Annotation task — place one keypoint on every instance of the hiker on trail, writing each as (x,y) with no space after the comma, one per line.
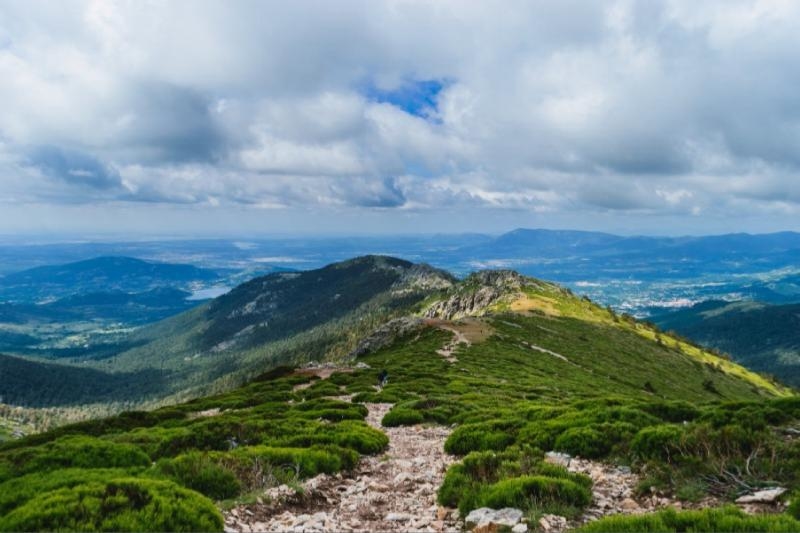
(383,378)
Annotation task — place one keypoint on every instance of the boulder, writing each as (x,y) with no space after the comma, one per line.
(762,496)
(558,458)
(485,519)
(552,523)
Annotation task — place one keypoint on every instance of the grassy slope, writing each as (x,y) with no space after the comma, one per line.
(553,301)
(292,318)
(760,336)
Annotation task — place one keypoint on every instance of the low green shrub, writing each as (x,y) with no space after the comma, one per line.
(455,486)
(659,442)
(794,506)
(125,504)
(321,388)
(529,492)
(585,442)
(19,490)
(257,467)
(483,466)
(478,437)
(72,452)
(401,416)
(197,471)
(672,411)
(723,520)
(353,434)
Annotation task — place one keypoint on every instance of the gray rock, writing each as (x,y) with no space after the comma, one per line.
(508,517)
(301,519)
(520,528)
(397,517)
(385,334)
(480,291)
(552,522)
(558,458)
(762,496)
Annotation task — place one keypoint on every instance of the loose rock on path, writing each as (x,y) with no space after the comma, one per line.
(391,492)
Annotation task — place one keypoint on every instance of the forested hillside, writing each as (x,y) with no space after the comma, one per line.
(763,337)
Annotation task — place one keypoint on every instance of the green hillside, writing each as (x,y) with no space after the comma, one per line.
(33,383)
(763,337)
(271,320)
(534,369)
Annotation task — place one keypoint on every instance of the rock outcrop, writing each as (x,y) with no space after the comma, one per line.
(478,294)
(425,277)
(386,334)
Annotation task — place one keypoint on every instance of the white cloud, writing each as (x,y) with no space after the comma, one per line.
(563,107)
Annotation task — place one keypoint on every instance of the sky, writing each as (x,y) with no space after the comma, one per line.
(256,117)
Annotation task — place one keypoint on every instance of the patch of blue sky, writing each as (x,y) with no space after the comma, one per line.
(416,97)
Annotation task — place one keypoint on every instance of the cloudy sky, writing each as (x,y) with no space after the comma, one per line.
(203,117)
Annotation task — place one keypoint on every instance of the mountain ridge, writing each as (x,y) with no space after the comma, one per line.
(322,315)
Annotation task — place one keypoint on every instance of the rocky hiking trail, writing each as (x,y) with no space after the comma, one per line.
(391,492)
(396,491)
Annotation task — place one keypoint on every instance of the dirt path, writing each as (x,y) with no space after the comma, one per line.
(392,492)
(465,331)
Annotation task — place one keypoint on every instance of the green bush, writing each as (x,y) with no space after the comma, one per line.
(125,504)
(353,434)
(483,466)
(527,492)
(455,485)
(674,411)
(259,466)
(478,437)
(657,442)
(585,442)
(19,490)
(401,416)
(723,520)
(73,452)
(555,471)
(197,471)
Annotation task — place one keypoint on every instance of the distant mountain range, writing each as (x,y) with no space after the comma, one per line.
(575,255)
(636,274)
(101,274)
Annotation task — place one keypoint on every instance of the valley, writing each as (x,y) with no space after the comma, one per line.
(760,336)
